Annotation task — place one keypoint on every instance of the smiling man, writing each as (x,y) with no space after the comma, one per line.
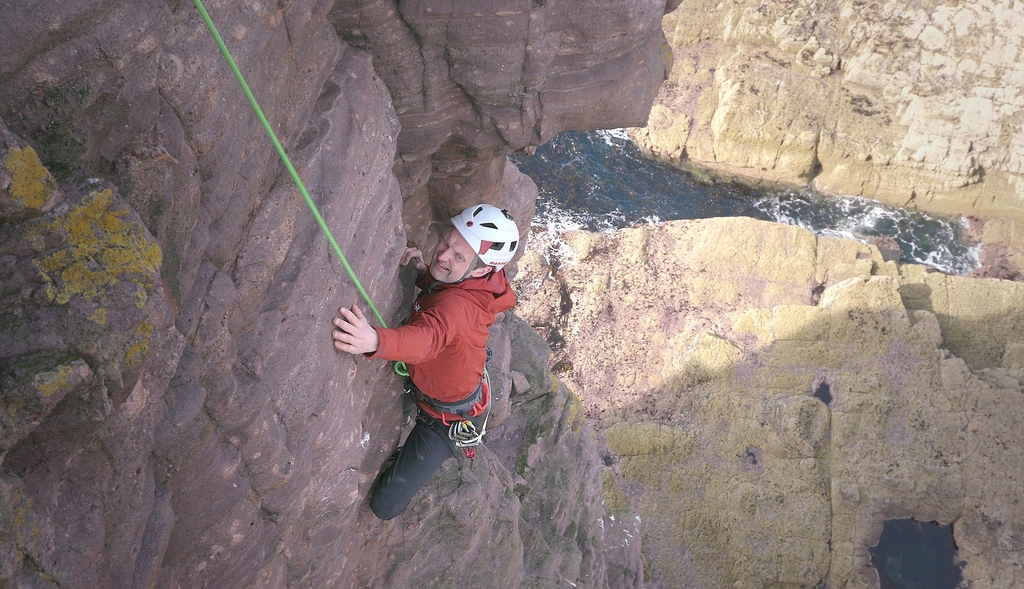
(444,345)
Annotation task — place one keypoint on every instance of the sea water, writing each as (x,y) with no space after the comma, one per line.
(917,555)
(601,181)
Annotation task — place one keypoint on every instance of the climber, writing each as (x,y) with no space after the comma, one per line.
(444,344)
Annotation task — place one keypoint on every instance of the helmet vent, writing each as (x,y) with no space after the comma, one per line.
(477,211)
(491,225)
(513,246)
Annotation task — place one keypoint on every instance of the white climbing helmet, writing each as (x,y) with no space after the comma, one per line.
(491,233)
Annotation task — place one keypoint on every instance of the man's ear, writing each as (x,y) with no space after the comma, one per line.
(481,271)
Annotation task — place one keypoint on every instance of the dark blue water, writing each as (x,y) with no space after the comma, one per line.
(601,181)
(916,555)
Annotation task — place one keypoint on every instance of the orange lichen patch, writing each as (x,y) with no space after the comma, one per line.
(137,351)
(51,381)
(32,185)
(102,249)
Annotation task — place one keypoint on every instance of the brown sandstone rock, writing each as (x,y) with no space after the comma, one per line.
(472,83)
(250,467)
(87,347)
(231,446)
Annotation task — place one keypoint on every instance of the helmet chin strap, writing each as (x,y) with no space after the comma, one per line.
(473,266)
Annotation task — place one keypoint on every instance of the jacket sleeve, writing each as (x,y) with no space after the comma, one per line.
(421,339)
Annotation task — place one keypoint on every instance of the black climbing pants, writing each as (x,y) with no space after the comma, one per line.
(424,451)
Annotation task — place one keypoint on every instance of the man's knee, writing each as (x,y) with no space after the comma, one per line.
(423,453)
(384,506)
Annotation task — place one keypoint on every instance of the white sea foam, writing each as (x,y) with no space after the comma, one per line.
(613,137)
(923,239)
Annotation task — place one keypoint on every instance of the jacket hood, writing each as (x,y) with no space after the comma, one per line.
(493,291)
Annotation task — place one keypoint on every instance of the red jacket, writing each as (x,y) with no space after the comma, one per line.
(444,341)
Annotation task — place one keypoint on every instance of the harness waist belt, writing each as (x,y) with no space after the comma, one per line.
(471,406)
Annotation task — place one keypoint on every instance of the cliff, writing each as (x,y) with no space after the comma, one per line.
(173,411)
(768,398)
(916,104)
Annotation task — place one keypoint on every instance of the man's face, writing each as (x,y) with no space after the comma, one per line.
(453,257)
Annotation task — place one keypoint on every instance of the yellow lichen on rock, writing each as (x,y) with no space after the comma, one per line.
(51,381)
(137,351)
(612,495)
(799,322)
(32,185)
(574,412)
(101,249)
(99,316)
(649,438)
(978,318)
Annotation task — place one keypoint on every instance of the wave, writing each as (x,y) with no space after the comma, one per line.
(922,238)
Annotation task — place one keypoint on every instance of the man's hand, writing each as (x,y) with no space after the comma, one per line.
(412,254)
(353,333)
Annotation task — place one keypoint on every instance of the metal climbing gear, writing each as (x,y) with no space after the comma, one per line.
(460,417)
(465,434)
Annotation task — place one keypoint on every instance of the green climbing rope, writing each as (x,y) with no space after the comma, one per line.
(400,367)
(284,157)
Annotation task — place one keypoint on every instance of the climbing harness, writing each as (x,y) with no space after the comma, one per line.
(472,406)
(400,367)
(460,417)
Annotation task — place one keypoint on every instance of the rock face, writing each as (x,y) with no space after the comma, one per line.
(472,83)
(767,398)
(173,411)
(910,103)
(87,331)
